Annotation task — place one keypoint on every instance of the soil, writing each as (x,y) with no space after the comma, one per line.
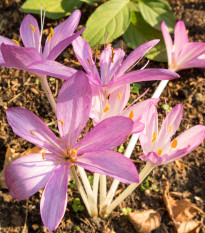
(19,88)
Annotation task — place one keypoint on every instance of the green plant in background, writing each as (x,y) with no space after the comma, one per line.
(90,179)
(135,87)
(126,211)
(73,184)
(166,107)
(77,205)
(138,21)
(148,185)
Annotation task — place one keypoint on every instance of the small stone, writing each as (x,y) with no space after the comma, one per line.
(35,226)
(199,98)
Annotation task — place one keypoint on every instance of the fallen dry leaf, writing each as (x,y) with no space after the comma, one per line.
(180,165)
(145,221)
(11,155)
(181,212)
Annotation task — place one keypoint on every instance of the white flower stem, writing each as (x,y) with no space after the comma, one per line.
(129,150)
(81,190)
(143,174)
(95,186)
(47,90)
(89,191)
(103,189)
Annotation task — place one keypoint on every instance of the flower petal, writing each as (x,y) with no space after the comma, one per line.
(198,62)
(144,75)
(19,57)
(106,135)
(52,68)
(110,163)
(73,108)
(135,55)
(27,175)
(30,34)
(168,41)
(54,199)
(153,158)
(137,127)
(30,127)
(180,37)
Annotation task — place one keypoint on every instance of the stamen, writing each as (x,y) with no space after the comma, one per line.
(131,115)
(32,132)
(32,27)
(174,143)
(16,42)
(89,61)
(107,108)
(121,44)
(51,31)
(119,96)
(72,166)
(154,137)
(61,122)
(112,58)
(159,152)
(43,155)
(49,37)
(170,128)
(187,31)
(74,151)
(60,140)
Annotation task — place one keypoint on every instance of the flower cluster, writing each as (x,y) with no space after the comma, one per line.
(102,96)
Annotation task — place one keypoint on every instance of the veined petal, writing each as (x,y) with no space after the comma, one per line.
(198,62)
(180,38)
(108,134)
(135,55)
(153,158)
(137,127)
(27,175)
(84,54)
(110,61)
(52,68)
(54,199)
(144,75)
(110,163)
(29,31)
(30,127)
(19,57)
(73,108)
(168,41)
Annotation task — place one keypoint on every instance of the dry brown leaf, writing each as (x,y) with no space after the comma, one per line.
(181,212)
(180,165)
(11,155)
(145,221)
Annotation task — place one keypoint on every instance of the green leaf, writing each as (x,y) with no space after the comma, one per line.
(90,2)
(81,208)
(131,100)
(90,179)
(37,81)
(73,185)
(109,21)
(142,188)
(54,8)
(75,208)
(77,228)
(135,87)
(133,6)
(140,32)
(51,79)
(76,201)
(126,211)
(156,11)
(121,148)
(166,107)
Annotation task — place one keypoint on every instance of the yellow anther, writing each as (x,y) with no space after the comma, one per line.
(159,152)
(51,31)
(60,140)
(89,61)
(74,151)
(187,31)
(174,144)
(61,122)
(32,27)
(119,96)
(112,58)
(107,108)
(170,128)
(49,37)
(43,155)
(154,137)
(121,44)
(131,115)
(16,41)
(72,166)
(32,132)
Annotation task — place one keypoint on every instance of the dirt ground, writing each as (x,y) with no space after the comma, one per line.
(18,88)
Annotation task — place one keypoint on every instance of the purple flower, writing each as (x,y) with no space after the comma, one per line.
(27,175)
(158,148)
(14,56)
(182,54)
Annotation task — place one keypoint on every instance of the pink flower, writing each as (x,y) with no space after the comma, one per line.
(27,175)
(182,54)
(158,148)
(14,56)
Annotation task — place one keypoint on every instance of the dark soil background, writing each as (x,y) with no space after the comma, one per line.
(18,88)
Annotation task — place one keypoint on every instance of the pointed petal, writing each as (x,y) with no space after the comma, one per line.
(27,175)
(180,37)
(84,54)
(73,107)
(19,57)
(145,75)
(110,61)
(137,127)
(52,68)
(110,163)
(168,41)
(106,135)
(29,32)
(198,62)
(170,125)
(54,199)
(136,55)
(30,127)
(153,158)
